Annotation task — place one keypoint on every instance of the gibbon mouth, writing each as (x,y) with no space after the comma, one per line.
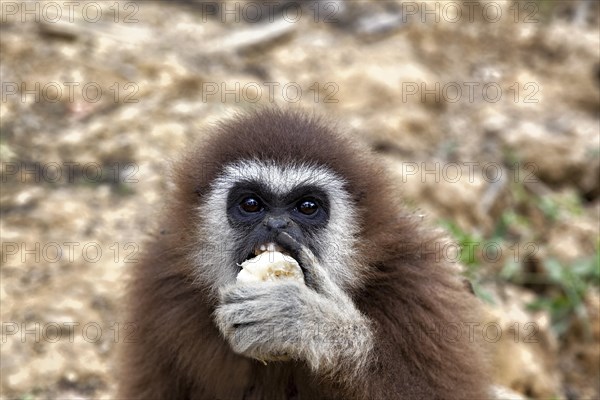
(268,247)
(271,246)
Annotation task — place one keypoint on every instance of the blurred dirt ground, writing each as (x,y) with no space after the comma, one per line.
(499,99)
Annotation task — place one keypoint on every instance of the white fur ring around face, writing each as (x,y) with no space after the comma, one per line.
(270,266)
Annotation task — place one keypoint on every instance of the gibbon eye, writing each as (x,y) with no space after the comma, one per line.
(307,207)
(251,205)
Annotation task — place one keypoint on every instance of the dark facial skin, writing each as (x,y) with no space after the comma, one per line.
(262,216)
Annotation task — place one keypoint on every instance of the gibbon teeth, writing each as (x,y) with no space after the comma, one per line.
(270,265)
(268,247)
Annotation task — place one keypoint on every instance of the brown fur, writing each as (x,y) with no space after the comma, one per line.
(178,353)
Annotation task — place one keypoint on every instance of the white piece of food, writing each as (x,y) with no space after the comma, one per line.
(270,266)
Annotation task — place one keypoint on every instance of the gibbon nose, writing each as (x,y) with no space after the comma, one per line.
(276,223)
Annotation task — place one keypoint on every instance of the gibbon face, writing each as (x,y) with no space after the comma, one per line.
(270,183)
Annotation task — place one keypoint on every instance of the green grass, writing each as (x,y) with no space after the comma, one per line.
(561,288)
(570,284)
